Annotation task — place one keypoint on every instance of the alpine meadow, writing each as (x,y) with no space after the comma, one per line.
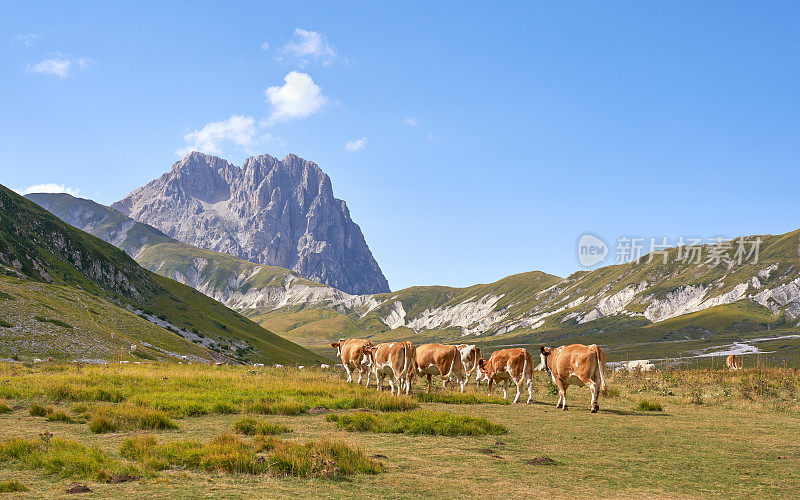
(410,250)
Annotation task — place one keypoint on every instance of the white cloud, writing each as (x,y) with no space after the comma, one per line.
(28,39)
(49,187)
(309,45)
(86,63)
(55,67)
(299,97)
(265,46)
(355,145)
(61,66)
(239,130)
(411,121)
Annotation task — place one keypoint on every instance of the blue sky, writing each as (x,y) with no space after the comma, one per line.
(484,138)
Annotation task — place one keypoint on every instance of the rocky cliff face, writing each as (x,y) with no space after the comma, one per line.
(269,211)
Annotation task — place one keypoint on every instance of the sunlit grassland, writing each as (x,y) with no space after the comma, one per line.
(719,434)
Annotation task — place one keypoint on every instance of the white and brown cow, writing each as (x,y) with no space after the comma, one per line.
(470,354)
(733,362)
(440,359)
(575,364)
(509,364)
(395,359)
(355,355)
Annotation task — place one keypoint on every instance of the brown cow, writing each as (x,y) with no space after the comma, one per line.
(395,359)
(734,362)
(575,364)
(355,355)
(440,359)
(509,364)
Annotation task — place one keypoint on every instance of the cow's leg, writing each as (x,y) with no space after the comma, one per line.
(490,383)
(563,397)
(505,388)
(463,383)
(428,391)
(368,374)
(518,383)
(379,380)
(594,388)
(530,390)
(392,382)
(349,373)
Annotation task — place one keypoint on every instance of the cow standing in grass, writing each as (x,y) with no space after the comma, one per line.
(395,359)
(733,362)
(355,355)
(440,359)
(575,364)
(509,364)
(470,354)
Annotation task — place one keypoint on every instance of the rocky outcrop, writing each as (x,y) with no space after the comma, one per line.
(269,211)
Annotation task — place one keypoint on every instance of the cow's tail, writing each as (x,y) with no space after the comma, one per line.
(456,355)
(404,373)
(601,367)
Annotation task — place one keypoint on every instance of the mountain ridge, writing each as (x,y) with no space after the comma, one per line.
(268,211)
(533,305)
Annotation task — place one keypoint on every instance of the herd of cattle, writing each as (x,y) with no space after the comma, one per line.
(400,362)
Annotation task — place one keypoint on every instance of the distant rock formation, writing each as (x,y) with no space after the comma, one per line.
(269,211)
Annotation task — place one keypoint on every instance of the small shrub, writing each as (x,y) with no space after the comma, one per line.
(4,408)
(612,392)
(6,324)
(38,410)
(12,486)
(647,405)
(250,427)
(552,388)
(59,416)
(417,422)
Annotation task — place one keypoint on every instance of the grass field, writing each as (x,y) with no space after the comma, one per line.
(195,431)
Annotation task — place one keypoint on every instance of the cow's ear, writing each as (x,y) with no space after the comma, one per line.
(335,344)
(544,351)
(481,362)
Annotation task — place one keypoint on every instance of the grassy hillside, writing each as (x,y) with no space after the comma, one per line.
(39,320)
(37,246)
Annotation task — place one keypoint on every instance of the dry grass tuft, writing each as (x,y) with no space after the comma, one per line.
(12,486)
(251,427)
(113,418)
(231,454)
(416,423)
(61,457)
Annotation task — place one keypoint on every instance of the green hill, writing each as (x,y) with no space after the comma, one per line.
(40,250)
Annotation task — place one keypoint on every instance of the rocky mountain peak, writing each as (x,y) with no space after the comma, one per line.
(269,211)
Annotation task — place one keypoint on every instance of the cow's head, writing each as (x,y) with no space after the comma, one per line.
(338,346)
(543,366)
(485,370)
